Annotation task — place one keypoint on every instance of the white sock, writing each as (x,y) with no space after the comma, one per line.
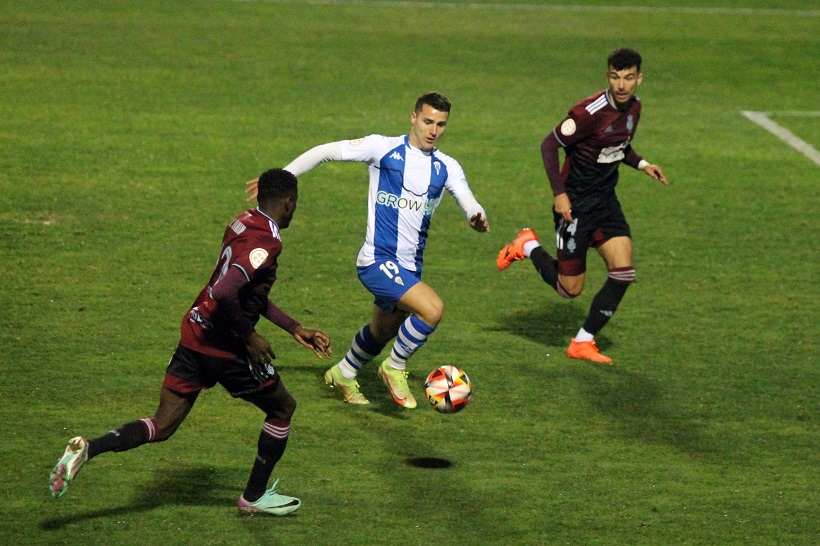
(529,246)
(583,335)
(348,371)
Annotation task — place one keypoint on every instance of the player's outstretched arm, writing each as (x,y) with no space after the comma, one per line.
(316,341)
(252,189)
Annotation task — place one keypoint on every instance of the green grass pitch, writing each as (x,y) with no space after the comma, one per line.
(128,129)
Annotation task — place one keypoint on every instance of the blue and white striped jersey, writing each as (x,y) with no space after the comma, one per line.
(406,186)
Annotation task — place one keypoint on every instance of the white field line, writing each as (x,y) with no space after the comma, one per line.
(554,7)
(762,119)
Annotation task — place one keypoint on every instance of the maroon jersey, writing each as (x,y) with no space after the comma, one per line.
(596,137)
(251,243)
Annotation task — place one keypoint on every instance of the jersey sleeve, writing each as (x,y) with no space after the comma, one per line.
(369,149)
(577,126)
(457,186)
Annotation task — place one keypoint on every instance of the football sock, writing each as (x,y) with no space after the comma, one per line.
(529,246)
(546,265)
(412,335)
(128,436)
(606,301)
(272,443)
(583,335)
(363,349)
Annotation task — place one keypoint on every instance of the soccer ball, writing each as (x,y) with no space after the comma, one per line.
(448,389)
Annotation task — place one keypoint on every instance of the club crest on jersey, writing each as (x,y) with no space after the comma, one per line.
(258,256)
(437,165)
(630,123)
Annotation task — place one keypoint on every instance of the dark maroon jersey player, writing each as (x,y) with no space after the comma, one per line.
(596,137)
(227,309)
(219,344)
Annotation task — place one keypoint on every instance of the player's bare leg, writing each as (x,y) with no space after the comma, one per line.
(419,311)
(617,254)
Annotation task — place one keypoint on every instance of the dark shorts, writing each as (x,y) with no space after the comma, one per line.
(588,229)
(190,371)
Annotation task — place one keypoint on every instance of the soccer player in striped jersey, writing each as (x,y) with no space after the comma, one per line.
(596,137)
(408,176)
(219,344)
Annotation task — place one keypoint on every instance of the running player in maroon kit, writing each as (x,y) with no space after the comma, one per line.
(597,137)
(220,345)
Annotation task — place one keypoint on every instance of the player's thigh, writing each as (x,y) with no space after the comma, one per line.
(276,401)
(616,252)
(422,301)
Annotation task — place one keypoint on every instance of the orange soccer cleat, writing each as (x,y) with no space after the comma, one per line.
(515,250)
(586,350)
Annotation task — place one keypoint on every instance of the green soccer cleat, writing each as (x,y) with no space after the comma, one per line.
(271,503)
(396,381)
(75,456)
(348,387)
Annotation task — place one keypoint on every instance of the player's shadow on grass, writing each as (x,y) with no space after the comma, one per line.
(184,486)
(640,409)
(551,324)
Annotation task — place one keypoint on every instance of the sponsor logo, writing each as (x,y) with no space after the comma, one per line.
(612,153)
(397,156)
(355,141)
(607,313)
(398,280)
(258,256)
(568,127)
(391,200)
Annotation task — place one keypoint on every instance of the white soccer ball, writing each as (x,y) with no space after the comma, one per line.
(448,389)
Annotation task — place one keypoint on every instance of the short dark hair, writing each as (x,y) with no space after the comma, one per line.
(275,184)
(624,58)
(436,100)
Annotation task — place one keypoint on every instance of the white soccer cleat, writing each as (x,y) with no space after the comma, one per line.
(75,456)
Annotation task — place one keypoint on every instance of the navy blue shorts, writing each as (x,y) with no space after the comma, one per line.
(190,371)
(388,282)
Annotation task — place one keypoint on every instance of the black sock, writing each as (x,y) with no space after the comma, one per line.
(269,452)
(128,436)
(546,265)
(604,305)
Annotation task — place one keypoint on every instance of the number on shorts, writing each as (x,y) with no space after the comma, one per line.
(390,269)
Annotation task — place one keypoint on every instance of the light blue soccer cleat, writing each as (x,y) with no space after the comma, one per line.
(270,503)
(75,456)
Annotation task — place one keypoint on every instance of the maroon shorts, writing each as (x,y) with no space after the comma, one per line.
(588,229)
(190,371)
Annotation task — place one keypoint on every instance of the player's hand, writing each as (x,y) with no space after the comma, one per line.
(657,173)
(479,223)
(259,350)
(316,341)
(563,206)
(252,189)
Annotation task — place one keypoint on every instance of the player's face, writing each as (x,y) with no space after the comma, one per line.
(623,84)
(426,127)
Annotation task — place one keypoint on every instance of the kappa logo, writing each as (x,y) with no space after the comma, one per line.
(397,156)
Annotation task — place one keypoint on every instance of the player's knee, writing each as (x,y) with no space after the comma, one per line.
(567,293)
